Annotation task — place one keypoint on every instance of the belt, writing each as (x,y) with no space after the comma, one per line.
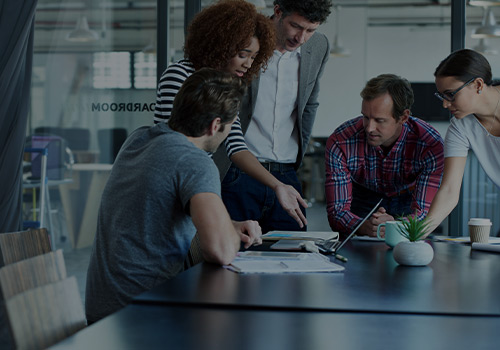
(273,166)
(410,189)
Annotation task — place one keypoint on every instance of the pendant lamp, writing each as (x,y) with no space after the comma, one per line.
(82,32)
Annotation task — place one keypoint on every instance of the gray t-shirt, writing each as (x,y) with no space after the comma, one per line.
(468,133)
(144,229)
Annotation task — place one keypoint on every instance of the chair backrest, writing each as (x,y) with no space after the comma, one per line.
(195,256)
(43,316)
(110,141)
(78,138)
(31,273)
(17,246)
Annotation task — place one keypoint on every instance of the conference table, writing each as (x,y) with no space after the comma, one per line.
(457,282)
(81,201)
(374,303)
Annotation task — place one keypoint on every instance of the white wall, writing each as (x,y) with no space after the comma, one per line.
(410,51)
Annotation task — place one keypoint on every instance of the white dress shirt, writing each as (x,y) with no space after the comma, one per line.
(272,134)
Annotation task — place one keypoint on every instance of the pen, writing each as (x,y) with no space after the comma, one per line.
(234,268)
(283,264)
(340,257)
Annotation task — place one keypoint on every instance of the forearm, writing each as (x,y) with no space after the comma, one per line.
(343,221)
(442,205)
(338,189)
(219,240)
(425,191)
(247,162)
(449,193)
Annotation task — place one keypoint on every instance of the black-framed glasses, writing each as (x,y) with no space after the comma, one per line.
(450,96)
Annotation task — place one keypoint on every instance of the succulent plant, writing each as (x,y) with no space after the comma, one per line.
(413,228)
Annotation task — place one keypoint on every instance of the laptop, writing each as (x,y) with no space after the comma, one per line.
(331,247)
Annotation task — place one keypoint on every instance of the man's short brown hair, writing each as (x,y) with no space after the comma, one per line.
(397,87)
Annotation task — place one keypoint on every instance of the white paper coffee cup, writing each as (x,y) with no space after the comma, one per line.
(479,230)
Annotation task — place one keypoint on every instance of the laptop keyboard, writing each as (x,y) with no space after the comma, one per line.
(328,246)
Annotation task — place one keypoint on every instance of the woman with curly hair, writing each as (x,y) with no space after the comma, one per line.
(231,36)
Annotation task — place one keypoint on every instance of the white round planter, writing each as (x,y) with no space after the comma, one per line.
(417,253)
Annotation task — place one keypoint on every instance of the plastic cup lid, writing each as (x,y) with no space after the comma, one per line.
(479,221)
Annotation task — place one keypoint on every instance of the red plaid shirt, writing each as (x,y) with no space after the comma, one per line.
(415,161)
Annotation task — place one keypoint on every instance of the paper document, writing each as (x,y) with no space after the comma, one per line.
(281,262)
(293,244)
(301,235)
(488,247)
(462,239)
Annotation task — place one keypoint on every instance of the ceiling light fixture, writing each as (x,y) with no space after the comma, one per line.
(150,47)
(488,28)
(337,49)
(484,48)
(82,32)
(484,3)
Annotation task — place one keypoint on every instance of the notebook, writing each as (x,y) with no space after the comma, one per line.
(300,235)
(331,247)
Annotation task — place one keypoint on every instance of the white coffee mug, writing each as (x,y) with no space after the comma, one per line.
(392,233)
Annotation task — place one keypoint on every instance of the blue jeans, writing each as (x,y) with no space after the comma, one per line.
(247,199)
(363,200)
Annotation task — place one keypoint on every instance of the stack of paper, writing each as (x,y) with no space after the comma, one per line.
(282,262)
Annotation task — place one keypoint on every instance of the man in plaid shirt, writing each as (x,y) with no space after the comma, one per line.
(385,153)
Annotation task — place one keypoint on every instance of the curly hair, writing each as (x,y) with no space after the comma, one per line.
(220,31)
(315,11)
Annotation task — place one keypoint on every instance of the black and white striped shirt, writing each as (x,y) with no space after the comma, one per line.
(170,83)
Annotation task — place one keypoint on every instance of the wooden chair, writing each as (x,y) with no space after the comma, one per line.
(43,316)
(16,246)
(31,273)
(194,256)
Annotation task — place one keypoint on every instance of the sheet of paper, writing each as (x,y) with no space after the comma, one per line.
(289,244)
(488,247)
(294,244)
(462,239)
(282,262)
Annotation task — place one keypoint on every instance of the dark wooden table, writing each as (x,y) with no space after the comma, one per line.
(374,304)
(457,282)
(173,327)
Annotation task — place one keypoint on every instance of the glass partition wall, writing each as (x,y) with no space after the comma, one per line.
(95,73)
(94,82)
(480,197)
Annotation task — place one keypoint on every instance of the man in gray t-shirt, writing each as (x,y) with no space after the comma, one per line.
(162,189)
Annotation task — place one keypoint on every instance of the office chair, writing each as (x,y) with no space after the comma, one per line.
(16,246)
(45,315)
(78,139)
(31,273)
(110,141)
(195,255)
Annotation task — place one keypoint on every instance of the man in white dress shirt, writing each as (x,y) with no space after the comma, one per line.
(278,112)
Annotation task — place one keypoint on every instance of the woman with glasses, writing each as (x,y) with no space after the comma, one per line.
(465,86)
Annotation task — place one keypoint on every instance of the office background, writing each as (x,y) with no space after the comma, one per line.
(106,78)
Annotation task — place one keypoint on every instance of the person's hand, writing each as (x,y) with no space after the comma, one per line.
(369,227)
(291,200)
(249,231)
